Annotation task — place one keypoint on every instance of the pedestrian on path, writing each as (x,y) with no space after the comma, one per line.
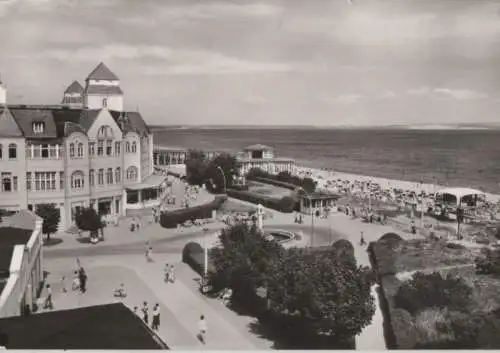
(155,325)
(202,329)
(82,276)
(149,254)
(48,300)
(167,273)
(76,281)
(171,274)
(145,312)
(63,284)
(362,240)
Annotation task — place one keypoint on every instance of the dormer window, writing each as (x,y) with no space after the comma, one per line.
(38,127)
(105,102)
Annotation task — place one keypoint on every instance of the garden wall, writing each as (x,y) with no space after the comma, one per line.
(170,219)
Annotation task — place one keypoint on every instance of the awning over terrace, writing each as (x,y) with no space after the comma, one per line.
(460,192)
(150,182)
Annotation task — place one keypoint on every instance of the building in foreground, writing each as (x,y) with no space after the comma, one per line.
(109,326)
(87,151)
(264,158)
(21,271)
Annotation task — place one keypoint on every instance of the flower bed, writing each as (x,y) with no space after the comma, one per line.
(170,219)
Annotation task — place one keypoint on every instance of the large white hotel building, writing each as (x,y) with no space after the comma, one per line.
(87,151)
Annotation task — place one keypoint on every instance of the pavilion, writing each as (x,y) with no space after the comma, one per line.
(464,197)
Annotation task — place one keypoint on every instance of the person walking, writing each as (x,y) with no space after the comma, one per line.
(48,300)
(63,284)
(76,281)
(362,240)
(202,329)
(171,274)
(82,276)
(167,273)
(149,254)
(145,312)
(155,324)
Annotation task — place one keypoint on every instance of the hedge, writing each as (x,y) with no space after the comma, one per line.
(286,204)
(194,255)
(307,184)
(170,219)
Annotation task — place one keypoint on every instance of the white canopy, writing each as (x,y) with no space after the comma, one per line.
(460,192)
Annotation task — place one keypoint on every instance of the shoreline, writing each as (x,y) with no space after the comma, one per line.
(385,183)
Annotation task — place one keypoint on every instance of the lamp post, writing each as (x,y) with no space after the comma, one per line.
(223,177)
(312,220)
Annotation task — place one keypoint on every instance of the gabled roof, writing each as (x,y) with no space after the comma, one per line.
(62,117)
(8,125)
(75,87)
(95,89)
(26,117)
(72,100)
(101,72)
(132,121)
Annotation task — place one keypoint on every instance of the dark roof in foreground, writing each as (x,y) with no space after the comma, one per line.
(110,326)
(9,237)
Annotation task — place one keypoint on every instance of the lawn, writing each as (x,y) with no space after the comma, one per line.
(268,190)
(420,254)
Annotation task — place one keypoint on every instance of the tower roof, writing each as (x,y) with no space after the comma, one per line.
(75,87)
(101,72)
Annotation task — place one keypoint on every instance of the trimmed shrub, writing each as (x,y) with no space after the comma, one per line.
(191,248)
(382,257)
(344,248)
(433,291)
(278,183)
(308,184)
(390,239)
(489,262)
(266,201)
(194,255)
(170,219)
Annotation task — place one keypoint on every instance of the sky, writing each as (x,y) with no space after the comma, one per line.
(277,62)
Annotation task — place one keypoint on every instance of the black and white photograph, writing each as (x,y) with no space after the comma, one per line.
(249,174)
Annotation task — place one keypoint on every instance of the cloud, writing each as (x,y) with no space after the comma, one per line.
(387,95)
(255,100)
(343,99)
(447,93)
(214,9)
(171,61)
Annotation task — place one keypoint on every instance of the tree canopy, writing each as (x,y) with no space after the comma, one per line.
(203,171)
(87,219)
(51,218)
(196,165)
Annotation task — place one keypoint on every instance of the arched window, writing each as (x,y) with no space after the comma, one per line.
(132,173)
(109,176)
(12,151)
(105,132)
(72,150)
(118,175)
(77,180)
(127,147)
(80,150)
(134,147)
(6,182)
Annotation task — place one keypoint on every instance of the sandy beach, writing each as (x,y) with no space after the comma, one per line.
(322,176)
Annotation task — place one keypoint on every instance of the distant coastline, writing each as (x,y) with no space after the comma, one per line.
(485,126)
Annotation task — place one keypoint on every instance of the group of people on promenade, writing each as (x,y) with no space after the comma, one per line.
(144,314)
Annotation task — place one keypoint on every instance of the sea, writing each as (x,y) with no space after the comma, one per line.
(461,158)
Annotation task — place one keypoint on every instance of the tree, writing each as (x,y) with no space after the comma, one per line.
(196,166)
(216,181)
(243,260)
(87,219)
(51,218)
(321,292)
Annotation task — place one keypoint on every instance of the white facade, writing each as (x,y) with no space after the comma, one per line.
(3,94)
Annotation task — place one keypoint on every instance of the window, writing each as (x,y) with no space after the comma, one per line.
(12,151)
(92,148)
(77,180)
(38,127)
(28,181)
(134,147)
(117,148)
(100,177)
(7,182)
(118,175)
(109,176)
(80,150)
(45,181)
(105,133)
(92,177)
(132,173)
(53,151)
(45,151)
(109,148)
(127,147)
(100,148)
(105,102)
(61,180)
(72,150)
